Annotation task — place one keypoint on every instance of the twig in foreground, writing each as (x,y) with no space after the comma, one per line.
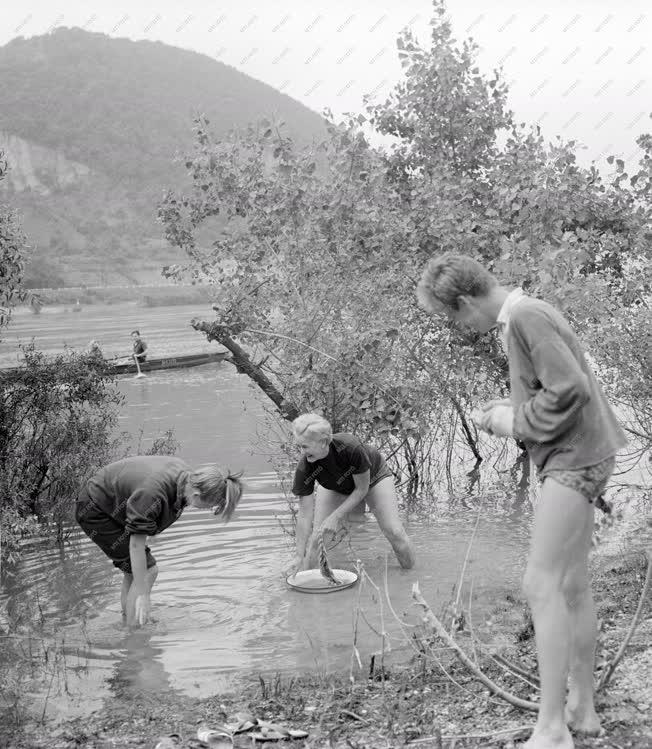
(604,679)
(432,620)
(502,732)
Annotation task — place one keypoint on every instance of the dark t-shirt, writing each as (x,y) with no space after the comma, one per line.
(346,456)
(143,493)
(139,348)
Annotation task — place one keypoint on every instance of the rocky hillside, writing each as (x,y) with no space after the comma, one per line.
(91,126)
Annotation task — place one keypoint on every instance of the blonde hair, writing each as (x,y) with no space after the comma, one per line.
(312,427)
(224,490)
(450,276)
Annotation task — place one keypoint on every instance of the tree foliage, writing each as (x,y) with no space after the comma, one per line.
(57,425)
(314,253)
(12,243)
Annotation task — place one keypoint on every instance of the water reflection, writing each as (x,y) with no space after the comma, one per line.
(139,667)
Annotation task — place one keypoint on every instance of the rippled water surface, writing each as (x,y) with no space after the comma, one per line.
(221,605)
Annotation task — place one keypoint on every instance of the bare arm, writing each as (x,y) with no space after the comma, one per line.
(138,559)
(305,518)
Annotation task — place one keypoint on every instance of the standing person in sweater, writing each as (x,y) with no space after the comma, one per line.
(559,411)
(345,472)
(133,498)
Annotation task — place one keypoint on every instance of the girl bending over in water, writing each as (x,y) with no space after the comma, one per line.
(133,498)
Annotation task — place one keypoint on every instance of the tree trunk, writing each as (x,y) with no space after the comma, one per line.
(242,362)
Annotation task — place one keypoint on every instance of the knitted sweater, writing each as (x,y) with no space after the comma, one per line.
(560,411)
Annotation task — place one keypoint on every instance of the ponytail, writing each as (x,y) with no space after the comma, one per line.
(219,489)
(232,494)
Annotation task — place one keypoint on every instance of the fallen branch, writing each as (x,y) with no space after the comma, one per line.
(461,737)
(244,365)
(355,716)
(611,667)
(430,619)
(530,679)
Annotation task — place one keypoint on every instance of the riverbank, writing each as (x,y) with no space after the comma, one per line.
(429,697)
(159,295)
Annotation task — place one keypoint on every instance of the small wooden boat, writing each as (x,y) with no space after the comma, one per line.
(128,366)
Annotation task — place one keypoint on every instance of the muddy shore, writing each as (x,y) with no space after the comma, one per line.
(432,701)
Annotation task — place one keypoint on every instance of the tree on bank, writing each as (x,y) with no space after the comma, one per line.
(12,257)
(314,254)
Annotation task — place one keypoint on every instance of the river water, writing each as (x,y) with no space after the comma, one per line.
(221,606)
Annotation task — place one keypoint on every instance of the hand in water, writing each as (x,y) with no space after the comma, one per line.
(142,609)
(295,566)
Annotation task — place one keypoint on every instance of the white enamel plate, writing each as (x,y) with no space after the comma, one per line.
(312,581)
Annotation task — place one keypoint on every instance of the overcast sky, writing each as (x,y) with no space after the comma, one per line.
(579,68)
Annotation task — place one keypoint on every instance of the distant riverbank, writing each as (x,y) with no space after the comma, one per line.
(162,295)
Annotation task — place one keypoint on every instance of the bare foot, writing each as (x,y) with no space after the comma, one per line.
(540,739)
(583,720)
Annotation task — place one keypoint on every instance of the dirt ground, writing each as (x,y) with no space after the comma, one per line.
(425,704)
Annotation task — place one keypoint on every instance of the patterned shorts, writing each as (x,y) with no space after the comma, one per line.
(590,481)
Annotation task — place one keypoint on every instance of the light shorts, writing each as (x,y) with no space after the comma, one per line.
(590,481)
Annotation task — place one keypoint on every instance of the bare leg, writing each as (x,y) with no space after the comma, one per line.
(559,528)
(384,505)
(127,580)
(150,578)
(580,709)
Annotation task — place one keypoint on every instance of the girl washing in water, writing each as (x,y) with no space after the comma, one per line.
(133,498)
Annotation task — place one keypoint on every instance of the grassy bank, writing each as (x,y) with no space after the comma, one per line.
(430,702)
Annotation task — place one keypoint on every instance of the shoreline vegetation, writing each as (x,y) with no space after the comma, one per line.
(431,702)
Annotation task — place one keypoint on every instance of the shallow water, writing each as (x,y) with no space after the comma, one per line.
(221,606)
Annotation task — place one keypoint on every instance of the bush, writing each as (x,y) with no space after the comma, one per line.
(57,423)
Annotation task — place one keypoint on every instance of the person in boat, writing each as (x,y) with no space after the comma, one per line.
(141,496)
(572,435)
(140,347)
(336,474)
(94,349)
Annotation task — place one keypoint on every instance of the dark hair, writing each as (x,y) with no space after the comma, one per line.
(137,332)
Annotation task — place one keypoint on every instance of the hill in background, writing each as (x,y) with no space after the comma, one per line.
(91,125)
